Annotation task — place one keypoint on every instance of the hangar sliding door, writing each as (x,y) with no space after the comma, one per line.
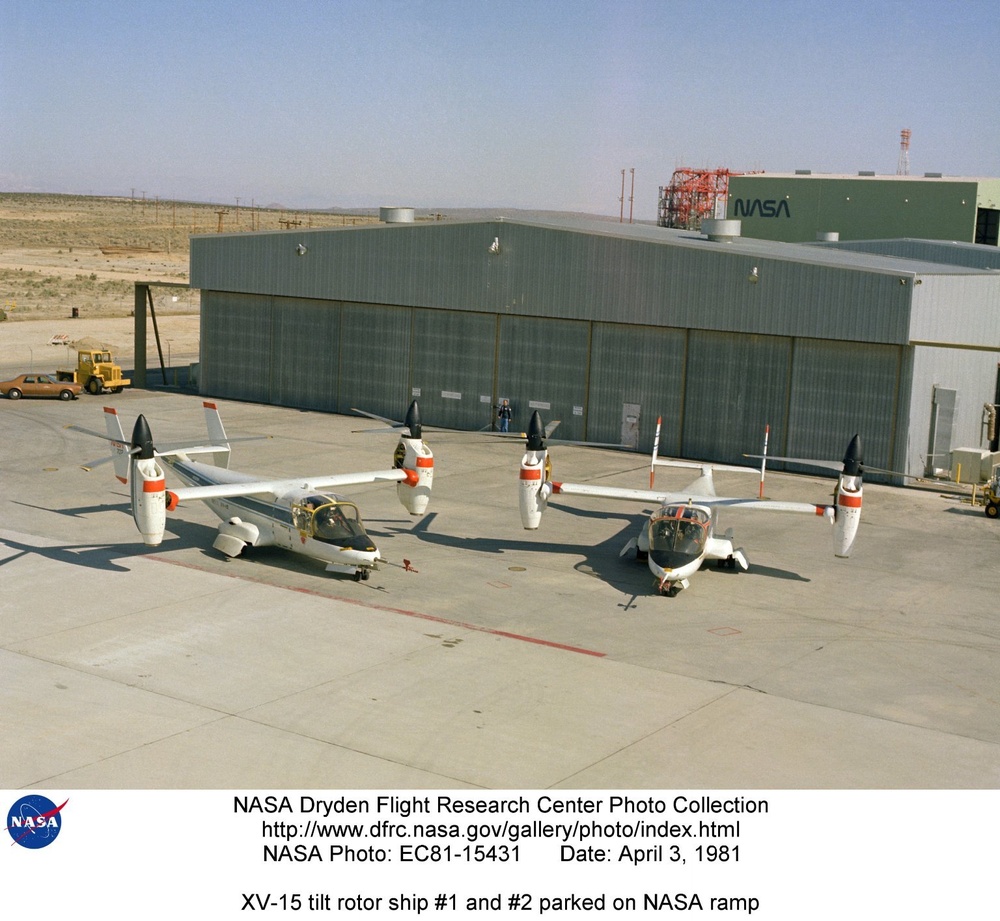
(236,346)
(452,375)
(840,389)
(736,385)
(305,366)
(641,365)
(543,365)
(374,359)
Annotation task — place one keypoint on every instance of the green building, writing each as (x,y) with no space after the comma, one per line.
(802,207)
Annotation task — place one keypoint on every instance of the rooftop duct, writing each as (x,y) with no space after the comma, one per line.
(395,215)
(720,230)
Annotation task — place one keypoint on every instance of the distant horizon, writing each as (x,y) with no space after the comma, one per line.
(331,209)
(580,109)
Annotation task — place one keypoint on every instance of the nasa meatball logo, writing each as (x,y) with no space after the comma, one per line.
(34,821)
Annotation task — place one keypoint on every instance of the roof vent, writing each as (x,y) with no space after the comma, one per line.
(395,215)
(721,231)
(827,236)
(803,172)
(866,172)
(933,175)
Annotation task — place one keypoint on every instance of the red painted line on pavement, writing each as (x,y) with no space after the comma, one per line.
(388,609)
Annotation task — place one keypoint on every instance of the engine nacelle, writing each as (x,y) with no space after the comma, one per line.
(417,460)
(534,488)
(848,514)
(149,500)
(848,500)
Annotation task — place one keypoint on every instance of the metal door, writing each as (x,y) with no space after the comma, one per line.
(630,426)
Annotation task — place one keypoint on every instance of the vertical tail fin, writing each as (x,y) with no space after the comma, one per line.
(119,446)
(656,451)
(763,462)
(216,434)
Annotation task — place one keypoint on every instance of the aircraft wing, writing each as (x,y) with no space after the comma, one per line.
(277,487)
(663,498)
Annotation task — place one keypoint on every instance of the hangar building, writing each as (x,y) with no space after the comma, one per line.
(606,326)
(798,207)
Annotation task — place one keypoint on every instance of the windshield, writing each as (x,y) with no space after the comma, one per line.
(331,520)
(679,529)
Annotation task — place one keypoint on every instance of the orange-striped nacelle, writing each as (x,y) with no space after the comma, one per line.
(148,486)
(848,500)
(534,487)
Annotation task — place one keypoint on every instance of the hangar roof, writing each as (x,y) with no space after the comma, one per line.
(575,268)
(915,256)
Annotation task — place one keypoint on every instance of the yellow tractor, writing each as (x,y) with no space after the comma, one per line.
(96,372)
(991,494)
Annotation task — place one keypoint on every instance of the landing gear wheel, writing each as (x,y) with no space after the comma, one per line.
(365,575)
(730,562)
(357,576)
(992,510)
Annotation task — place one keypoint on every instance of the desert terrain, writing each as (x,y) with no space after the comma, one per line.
(69,263)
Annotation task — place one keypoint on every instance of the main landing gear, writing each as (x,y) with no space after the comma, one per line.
(362,575)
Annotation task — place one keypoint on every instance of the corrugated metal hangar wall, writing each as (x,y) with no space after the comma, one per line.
(588,324)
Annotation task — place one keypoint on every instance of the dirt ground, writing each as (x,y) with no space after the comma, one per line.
(69,264)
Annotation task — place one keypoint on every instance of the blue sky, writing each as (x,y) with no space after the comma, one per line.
(445,104)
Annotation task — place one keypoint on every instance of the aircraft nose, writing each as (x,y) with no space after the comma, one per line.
(669,560)
(360,542)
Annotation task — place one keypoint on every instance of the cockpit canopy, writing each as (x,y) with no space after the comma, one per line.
(332,520)
(679,529)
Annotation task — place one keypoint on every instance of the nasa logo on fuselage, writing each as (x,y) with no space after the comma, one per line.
(34,821)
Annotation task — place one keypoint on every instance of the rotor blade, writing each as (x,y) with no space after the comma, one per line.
(590,444)
(836,466)
(103,459)
(411,423)
(362,412)
(102,435)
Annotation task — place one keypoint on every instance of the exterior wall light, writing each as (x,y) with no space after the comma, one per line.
(301,249)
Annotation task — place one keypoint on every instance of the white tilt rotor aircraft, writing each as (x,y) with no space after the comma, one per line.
(680,535)
(297,513)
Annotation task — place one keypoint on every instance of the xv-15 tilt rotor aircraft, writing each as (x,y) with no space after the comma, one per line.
(680,534)
(296,513)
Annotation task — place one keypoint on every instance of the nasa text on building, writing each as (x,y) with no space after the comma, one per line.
(606,326)
(799,207)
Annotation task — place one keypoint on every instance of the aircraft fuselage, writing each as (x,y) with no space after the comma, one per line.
(680,537)
(323,526)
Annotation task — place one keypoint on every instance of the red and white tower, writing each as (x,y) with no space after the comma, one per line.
(904,153)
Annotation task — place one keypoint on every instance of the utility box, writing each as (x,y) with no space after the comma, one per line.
(971,465)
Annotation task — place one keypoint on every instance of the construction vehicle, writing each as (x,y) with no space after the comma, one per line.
(95,371)
(991,495)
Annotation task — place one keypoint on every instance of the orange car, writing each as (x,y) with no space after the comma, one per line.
(39,385)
